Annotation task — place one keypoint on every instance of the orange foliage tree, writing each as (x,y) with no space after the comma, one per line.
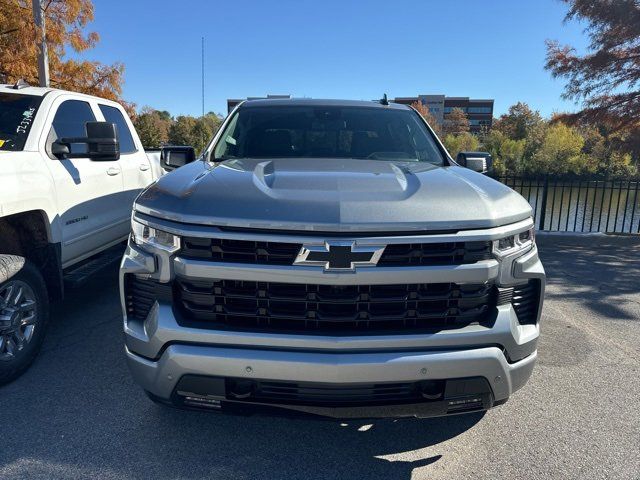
(65,29)
(424,111)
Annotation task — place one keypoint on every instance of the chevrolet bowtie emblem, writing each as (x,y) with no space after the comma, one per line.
(339,255)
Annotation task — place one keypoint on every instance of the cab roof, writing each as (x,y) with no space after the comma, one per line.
(27,90)
(54,92)
(312,102)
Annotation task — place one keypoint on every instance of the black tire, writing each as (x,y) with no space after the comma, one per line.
(16,270)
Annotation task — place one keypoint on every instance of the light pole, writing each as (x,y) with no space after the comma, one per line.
(43,57)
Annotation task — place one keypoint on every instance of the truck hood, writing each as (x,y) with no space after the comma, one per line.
(332,195)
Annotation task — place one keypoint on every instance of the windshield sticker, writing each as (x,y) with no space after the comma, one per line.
(2,142)
(27,118)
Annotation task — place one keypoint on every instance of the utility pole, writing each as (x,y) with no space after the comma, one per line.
(43,56)
(202,75)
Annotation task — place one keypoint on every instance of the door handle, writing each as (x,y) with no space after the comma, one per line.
(144,167)
(113,171)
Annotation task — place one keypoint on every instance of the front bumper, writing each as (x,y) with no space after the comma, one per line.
(161,377)
(160,352)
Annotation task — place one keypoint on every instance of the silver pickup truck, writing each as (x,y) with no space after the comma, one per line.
(330,257)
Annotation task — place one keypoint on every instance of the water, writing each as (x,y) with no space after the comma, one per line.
(583,206)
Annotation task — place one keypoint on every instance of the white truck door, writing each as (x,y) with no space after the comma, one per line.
(89,193)
(136,168)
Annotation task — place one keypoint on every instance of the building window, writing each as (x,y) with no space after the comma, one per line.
(450,109)
(480,109)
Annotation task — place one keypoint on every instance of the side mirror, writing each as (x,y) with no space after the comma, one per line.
(101,140)
(481,162)
(173,156)
(60,150)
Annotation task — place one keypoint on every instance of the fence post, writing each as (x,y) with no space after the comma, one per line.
(543,208)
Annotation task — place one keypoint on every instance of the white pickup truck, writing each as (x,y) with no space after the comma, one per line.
(70,167)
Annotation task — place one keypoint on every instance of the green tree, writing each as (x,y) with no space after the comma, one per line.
(533,143)
(197,132)
(181,130)
(152,127)
(518,122)
(561,152)
(464,142)
(204,130)
(508,154)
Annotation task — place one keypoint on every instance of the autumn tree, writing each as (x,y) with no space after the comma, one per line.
(605,80)
(455,122)
(66,22)
(424,111)
(518,122)
(604,149)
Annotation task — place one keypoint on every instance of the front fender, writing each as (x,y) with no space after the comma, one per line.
(28,186)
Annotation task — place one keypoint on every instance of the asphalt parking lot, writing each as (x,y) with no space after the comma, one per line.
(77,413)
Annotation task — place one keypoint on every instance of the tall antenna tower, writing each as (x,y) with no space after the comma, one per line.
(203,76)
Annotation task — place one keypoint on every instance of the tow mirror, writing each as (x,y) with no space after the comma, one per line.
(101,140)
(174,156)
(481,162)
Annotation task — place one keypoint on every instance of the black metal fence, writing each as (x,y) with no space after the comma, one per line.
(580,204)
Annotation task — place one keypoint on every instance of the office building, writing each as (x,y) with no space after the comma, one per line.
(479,111)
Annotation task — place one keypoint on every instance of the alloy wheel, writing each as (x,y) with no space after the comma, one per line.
(18,317)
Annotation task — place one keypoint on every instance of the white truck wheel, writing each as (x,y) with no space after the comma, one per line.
(24,315)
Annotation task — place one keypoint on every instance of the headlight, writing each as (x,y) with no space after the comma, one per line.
(144,235)
(518,243)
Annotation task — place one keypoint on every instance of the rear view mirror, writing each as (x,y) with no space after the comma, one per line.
(102,143)
(481,162)
(173,156)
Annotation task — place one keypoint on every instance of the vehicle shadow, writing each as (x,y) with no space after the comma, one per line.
(599,272)
(277,447)
(78,414)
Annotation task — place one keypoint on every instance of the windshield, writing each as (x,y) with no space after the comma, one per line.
(327,132)
(17,112)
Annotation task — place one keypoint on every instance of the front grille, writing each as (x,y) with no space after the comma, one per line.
(455,253)
(279,253)
(329,309)
(239,251)
(140,295)
(526,300)
(335,395)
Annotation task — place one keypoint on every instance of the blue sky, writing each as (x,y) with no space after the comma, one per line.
(333,49)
